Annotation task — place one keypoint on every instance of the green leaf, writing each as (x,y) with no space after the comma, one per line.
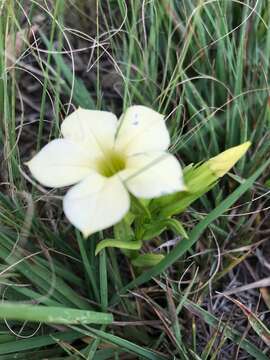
(147,260)
(155,229)
(177,227)
(49,314)
(128,245)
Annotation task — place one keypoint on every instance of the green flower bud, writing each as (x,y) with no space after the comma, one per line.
(223,162)
(199,179)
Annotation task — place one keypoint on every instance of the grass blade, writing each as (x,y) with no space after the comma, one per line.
(50,314)
(122,343)
(15,347)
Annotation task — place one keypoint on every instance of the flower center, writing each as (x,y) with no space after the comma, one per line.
(111,163)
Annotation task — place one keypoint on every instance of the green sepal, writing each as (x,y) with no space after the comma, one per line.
(147,260)
(127,245)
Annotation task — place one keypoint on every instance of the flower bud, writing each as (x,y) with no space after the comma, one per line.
(223,162)
(199,179)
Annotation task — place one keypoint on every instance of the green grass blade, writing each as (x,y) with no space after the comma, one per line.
(87,265)
(122,343)
(50,314)
(14,347)
(103,279)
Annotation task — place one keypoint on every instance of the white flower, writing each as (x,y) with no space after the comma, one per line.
(108,159)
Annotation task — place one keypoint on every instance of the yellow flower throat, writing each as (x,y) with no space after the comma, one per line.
(111,163)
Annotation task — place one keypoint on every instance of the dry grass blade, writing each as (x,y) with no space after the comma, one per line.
(256,284)
(254,321)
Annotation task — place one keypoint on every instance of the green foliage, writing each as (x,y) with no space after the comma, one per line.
(206,66)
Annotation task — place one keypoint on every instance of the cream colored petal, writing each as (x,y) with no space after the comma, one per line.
(91,128)
(96,203)
(142,129)
(60,163)
(152,175)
